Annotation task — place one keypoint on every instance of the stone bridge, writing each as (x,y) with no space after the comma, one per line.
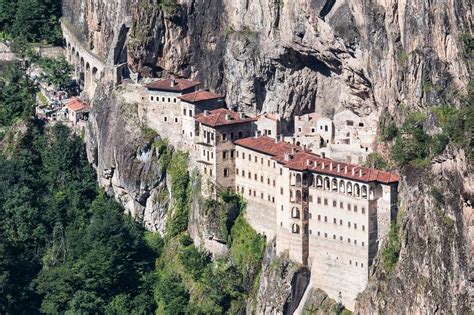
(89,68)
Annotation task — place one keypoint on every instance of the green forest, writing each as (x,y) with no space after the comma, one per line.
(65,247)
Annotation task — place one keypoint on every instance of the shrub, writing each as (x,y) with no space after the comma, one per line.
(375,160)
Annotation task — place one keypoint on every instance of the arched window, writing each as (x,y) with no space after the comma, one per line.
(295,228)
(342,186)
(349,188)
(364,192)
(298,196)
(371,193)
(305,179)
(326,183)
(334,184)
(319,181)
(310,180)
(298,180)
(305,197)
(356,190)
(295,213)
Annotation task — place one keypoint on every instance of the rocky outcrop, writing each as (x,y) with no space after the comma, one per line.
(126,163)
(282,285)
(433,271)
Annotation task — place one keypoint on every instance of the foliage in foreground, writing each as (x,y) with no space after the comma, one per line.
(63,246)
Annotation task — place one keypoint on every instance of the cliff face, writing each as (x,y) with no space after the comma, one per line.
(292,57)
(433,274)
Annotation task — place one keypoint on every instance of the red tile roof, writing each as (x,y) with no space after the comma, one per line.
(76,105)
(222,117)
(200,96)
(172,85)
(267,145)
(295,158)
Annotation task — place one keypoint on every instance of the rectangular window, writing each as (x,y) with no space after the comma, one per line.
(355,209)
(250,175)
(319,200)
(255,176)
(325,202)
(334,203)
(224,137)
(349,224)
(355,242)
(254,193)
(224,155)
(240,134)
(363,227)
(190,113)
(250,192)
(281,171)
(250,157)
(226,172)
(237,172)
(340,238)
(273,199)
(261,195)
(363,244)
(325,219)
(243,155)
(231,136)
(334,220)
(261,178)
(340,222)
(326,235)
(341,205)
(349,206)
(261,160)
(333,237)
(268,181)
(349,240)
(319,233)
(184,111)
(281,190)
(274,183)
(355,226)
(363,210)
(255,159)
(319,217)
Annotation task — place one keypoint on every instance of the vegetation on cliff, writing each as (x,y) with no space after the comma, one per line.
(30,20)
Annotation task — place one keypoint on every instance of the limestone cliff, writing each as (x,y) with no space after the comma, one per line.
(291,57)
(434,272)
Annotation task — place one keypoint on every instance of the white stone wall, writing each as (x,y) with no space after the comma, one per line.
(165,117)
(259,190)
(268,127)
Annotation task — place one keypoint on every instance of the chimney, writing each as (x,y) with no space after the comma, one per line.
(330,166)
(287,156)
(294,140)
(308,162)
(227,117)
(242,115)
(256,133)
(345,169)
(206,113)
(304,147)
(353,171)
(360,173)
(173,83)
(338,168)
(324,165)
(293,150)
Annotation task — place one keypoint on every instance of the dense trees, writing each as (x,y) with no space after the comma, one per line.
(31,20)
(16,94)
(64,247)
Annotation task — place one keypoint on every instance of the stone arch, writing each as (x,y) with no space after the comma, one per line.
(95,72)
(334,184)
(349,188)
(319,181)
(298,196)
(295,213)
(326,183)
(295,228)
(356,190)
(298,180)
(342,186)
(364,192)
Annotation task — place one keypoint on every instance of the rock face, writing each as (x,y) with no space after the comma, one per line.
(126,164)
(293,57)
(433,272)
(282,285)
